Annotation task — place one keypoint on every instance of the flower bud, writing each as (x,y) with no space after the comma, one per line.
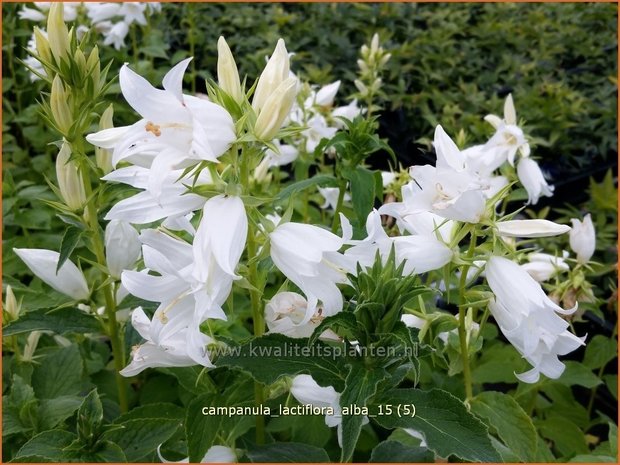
(103,157)
(361,87)
(32,341)
(11,306)
(60,106)
(227,73)
(583,238)
(275,72)
(70,180)
(276,109)
(43,45)
(57,32)
(80,61)
(531,228)
(122,247)
(43,263)
(93,67)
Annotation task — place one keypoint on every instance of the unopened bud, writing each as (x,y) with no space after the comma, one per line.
(80,62)
(374,44)
(60,106)
(11,307)
(57,32)
(227,73)
(93,67)
(70,180)
(361,87)
(276,109)
(275,72)
(103,157)
(385,58)
(43,45)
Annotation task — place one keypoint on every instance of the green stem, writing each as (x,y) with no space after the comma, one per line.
(110,301)
(255,296)
(341,192)
(462,329)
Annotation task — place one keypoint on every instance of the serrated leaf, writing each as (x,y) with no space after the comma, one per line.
(268,358)
(448,427)
(287,452)
(396,452)
(360,385)
(513,426)
(340,321)
(153,411)
(89,418)
(60,321)
(59,373)
(49,445)
(140,437)
(68,243)
(54,411)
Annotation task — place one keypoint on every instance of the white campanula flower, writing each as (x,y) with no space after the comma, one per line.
(531,176)
(309,256)
(173,350)
(173,203)
(447,189)
(531,228)
(69,280)
(508,138)
(324,97)
(176,131)
(122,247)
(583,238)
(101,11)
(285,314)
(115,34)
(133,12)
(529,319)
(317,131)
(543,266)
(420,252)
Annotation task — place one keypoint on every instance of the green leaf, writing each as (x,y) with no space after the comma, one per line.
(319,180)
(67,245)
(268,358)
(287,452)
(397,452)
(567,438)
(59,373)
(54,411)
(104,451)
(577,373)
(140,437)
(61,321)
(153,411)
(202,430)
(342,323)
(19,408)
(360,385)
(600,350)
(49,445)
(513,426)
(362,183)
(89,418)
(498,364)
(587,458)
(448,427)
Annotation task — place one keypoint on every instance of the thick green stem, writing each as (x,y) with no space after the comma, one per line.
(341,192)
(462,328)
(255,296)
(110,301)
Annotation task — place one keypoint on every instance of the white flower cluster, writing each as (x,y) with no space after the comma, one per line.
(171,149)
